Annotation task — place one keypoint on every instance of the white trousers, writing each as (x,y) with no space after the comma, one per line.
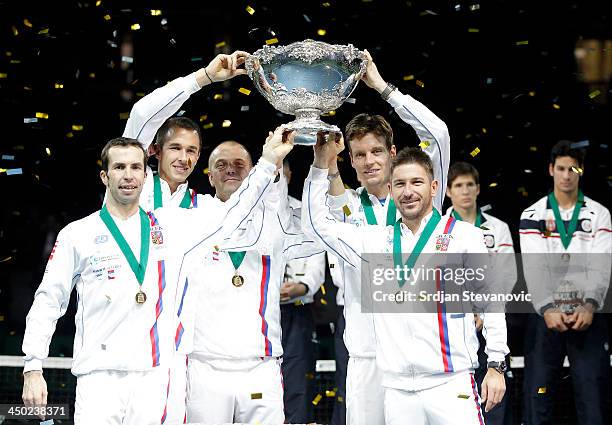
(454,403)
(364,392)
(177,391)
(249,394)
(126,398)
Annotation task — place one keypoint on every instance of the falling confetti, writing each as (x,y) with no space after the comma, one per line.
(272,41)
(556,106)
(124,115)
(409,77)
(494,184)
(330,393)
(107,17)
(42,115)
(323,301)
(156,12)
(203,118)
(473,30)
(27,23)
(244,108)
(420,83)
(8,157)
(475,152)
(317,399)
(321,32)
(220,44)
(250,10)
(135,27)
(3,75)
(218,96)
(580,144)
(594,94)
(205,171)
(346,210)
(207,126)
(59,86)
(424,144)
(48,151)
(522,43)
(351,100)
(578,170)
(244,91)
(226,123)
(77,127)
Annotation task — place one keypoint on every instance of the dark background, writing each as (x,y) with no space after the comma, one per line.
(503,75)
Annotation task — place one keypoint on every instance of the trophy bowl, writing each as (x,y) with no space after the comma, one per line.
(307,79)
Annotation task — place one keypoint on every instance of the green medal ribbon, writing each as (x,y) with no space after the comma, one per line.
(157,195)
(139,268)
(237,258)
(478,221)
(418,248)
(566,234)
(369,210)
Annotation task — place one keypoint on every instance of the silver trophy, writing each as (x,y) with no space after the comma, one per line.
(307,79)
(567,297)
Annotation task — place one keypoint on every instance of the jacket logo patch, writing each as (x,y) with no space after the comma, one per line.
(101,239)
(157,237)
(489,241)
(442,242)
(586,225)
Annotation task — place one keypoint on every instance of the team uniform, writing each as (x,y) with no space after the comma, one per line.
(547,263)
(297,326)
(425,359)
(364,393)
(123,348)
(498,240)
(234,372)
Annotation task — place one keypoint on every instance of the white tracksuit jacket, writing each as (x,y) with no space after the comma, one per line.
(540,242)
(498,240)
(112,331)
(414,351)
(433,133)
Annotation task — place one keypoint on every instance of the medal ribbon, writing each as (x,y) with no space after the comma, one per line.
(237,258)
(139,268)
(566,234)
(157,195)
(418,248)
(369,210)
(478,221)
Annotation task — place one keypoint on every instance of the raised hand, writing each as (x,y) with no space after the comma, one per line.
(372,77)
(223,67)
(278,144)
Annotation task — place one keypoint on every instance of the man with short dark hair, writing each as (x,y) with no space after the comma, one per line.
(371,150)
(125,265)
(463,188)
(556,233)
(423,382)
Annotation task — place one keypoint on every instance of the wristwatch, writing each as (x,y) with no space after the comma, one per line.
(332,176)
(500,367)
(387,91)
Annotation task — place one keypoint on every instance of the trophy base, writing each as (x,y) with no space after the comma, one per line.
(307,127)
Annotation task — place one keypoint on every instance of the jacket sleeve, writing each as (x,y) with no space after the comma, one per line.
(504,259)
(150,112)
(314,275)
(341,239)
(599,259)
(431,131)
(50,301)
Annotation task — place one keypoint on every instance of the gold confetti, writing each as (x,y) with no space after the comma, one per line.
(408,77)
(317,399)
(323,289)
(135,27)
(578,170)
(594,94)
(42,115)
(98,3)
(298,302)
(310,375)
(15,32)
(43,31)
(424,144)
(329,114)
(207,126)
(218,96)
(6,259)
(463,396)
(532,93)
(556,106)
(59,86)
(493,184)
(2,170)
(326,4)
(256,396)
(27,23)
(272,41)
(203,118)
(220,44)
(321,32)
(522,43)
(330,393)
(484,130)
(250,10)
(340,399)
(226,123)
(346,210)
(124,115)
(3,75)
(323,301)
(155,12)
(107,17)
(420,83)
(475,152)
(77,127)
(92,75)
(533,148)
(8,53)
(473,30)
(542,390)
(244,91)
(70,135)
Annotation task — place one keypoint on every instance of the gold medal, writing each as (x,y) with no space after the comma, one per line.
(237,280)
(141,297)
